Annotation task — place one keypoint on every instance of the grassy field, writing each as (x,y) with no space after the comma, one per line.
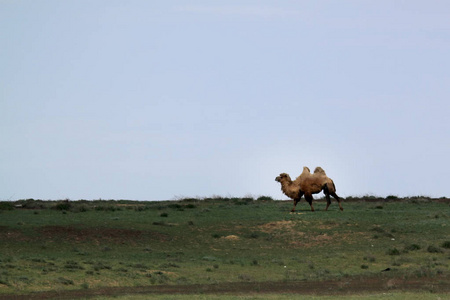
(384,296)
(49,246)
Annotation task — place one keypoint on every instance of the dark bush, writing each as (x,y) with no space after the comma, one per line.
(253,235)
(6,206)
(370,258)
(434,249)
(160,223)
(446,245)
(175,206)
(189,200)
(64,281)
(139,208)
(393,251)
(412,247)
(63,205)
(106,208)
(83,208)
(265,198)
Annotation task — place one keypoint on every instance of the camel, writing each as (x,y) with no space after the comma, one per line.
(308,184)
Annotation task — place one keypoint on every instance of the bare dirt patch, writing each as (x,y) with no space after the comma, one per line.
(347,286)
(9,233)
(299,239)
(230,237)
(277,226)
(97,234)
(312,241)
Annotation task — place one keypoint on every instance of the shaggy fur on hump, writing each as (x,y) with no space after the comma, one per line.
(314,183)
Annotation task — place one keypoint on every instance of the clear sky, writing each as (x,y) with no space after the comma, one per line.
(156,100)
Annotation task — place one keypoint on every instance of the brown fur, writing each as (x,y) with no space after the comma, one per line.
(308,184)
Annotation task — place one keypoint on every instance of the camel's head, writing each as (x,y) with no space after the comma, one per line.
(282,176)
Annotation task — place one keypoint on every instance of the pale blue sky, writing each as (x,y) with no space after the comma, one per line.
(154,100)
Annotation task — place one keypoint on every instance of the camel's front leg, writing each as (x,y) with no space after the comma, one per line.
(309,198)
(295,204)
(297,200)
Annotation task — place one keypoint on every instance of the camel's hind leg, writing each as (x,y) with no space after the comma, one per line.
(335,196)
(327,196)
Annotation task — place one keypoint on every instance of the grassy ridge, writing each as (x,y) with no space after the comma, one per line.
(48,245)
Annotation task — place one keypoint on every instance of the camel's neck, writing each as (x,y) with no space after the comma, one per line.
(288,189)
(286,183)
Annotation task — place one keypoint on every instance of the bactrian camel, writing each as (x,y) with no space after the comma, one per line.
(308,184)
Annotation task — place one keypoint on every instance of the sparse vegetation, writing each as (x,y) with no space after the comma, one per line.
(106,243)
(434,249)
(412,247)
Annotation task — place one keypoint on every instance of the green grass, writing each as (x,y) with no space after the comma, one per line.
(84,245)
(384,296)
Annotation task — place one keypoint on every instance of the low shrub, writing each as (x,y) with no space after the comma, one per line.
(412,247)
(160,223)
(175,206)
(434,249)
(106,208)
(6,206)
(446,245)
(64,281)
(370,258)
(393,251)
(253,235)
(265,199)
(63,206)
(73,265)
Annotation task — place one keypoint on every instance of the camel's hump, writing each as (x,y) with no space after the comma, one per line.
(319,170)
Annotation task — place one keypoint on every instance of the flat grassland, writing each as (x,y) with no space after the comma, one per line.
(223,246)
